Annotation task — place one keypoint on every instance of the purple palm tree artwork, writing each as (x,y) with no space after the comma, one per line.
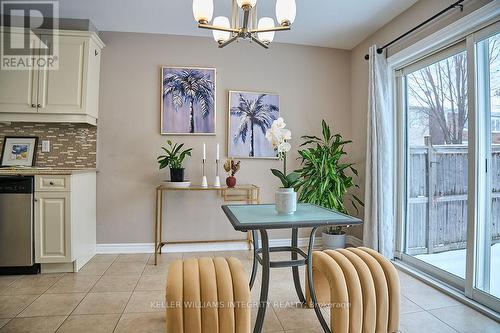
(250,116)
(188,100)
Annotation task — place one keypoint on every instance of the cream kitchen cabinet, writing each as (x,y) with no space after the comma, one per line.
(65,221)
(67,94)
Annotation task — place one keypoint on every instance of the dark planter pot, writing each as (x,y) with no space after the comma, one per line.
(176,174)
(231,181)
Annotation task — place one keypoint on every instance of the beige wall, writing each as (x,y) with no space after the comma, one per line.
(313,83)
(416,14)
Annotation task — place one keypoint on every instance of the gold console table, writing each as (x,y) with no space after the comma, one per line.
(243,193)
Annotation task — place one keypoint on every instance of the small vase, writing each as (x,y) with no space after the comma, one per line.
(286,200)
(231,181)
(176,174)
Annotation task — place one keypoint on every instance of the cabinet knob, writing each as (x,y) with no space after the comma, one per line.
(33,105)
(39,105)
(96,53)
(51,183)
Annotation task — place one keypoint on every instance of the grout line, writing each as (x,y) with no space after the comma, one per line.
(131,294)
(453,328)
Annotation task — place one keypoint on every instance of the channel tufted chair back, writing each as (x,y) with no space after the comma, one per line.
(362,288)
(206,295)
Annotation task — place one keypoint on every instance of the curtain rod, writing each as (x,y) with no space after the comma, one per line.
(450,7)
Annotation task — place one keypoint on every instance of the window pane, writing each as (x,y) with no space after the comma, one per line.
(436,225)
(488,235)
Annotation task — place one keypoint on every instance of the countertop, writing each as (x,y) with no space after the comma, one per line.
(42,171)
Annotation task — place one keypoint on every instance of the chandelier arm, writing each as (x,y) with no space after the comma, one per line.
(280,28)
(229,41)
(214,27)
(258,41)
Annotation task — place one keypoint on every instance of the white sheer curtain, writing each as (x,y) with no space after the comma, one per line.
(378,228)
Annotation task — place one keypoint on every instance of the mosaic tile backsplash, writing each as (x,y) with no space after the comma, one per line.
(71,145)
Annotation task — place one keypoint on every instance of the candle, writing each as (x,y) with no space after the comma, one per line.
(217,158)
(204,151)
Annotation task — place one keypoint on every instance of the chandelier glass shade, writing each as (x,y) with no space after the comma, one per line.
(244,22)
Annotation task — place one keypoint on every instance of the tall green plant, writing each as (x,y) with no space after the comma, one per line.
(324,178)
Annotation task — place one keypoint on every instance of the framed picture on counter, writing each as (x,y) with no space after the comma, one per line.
(19,151)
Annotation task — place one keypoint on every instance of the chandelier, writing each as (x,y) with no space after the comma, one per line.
(244,22)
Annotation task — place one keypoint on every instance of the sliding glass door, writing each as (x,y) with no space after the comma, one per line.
(450,149)
(487,273)
(437,161)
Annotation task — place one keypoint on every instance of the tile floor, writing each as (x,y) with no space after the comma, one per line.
(124,293)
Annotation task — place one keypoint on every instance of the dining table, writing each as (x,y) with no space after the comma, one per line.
(260,219)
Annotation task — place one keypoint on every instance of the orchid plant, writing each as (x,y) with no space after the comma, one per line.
(278,136)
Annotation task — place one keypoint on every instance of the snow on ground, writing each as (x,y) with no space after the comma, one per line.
(454,263)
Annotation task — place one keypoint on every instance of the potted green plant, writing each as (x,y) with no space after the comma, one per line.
(285,197)
(325,180)
(173,158)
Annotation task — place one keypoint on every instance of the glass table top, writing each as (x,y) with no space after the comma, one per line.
(248,217)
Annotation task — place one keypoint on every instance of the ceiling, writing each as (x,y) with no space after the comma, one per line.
(329,23)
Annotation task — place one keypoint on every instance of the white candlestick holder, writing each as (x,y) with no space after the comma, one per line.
(217,178)
(204,182)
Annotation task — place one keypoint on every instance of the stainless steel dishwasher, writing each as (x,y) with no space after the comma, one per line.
(16,225)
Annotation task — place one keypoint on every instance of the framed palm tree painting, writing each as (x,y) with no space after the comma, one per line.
(188,101)
(250,115)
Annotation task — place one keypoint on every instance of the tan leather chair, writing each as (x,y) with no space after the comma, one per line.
(206,295)
(362,288)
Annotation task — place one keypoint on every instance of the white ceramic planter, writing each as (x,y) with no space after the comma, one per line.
(286,200)
(332,242)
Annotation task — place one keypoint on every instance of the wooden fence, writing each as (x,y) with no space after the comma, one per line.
(438,175)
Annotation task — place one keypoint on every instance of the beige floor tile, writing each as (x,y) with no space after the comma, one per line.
(103,303)
(271,322)
(466,320)
(31,284)
(33,325)
(242,255)
(141,322)
(165,258)
(89,323)
(292,318)
(160,269)
(136,257)
(94,268)
(187,255)
(418,322)
(424,295)
(126,268)
(53,305)
(4,322)
(104,258)
(6,280)
(307,330)
(111,283)
(11,306)
(146,301)
(73,283)
(152,282)
(408,306)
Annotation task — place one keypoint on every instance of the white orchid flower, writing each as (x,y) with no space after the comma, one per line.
(279,123)
(284,147)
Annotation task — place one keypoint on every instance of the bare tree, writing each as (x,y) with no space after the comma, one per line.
(440,91)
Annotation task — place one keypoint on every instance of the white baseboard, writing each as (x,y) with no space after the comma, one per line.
(205,247)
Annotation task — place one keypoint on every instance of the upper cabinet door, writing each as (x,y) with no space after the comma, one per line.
(64,90)
(18,88)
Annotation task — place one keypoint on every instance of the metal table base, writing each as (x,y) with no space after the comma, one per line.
(261,256)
